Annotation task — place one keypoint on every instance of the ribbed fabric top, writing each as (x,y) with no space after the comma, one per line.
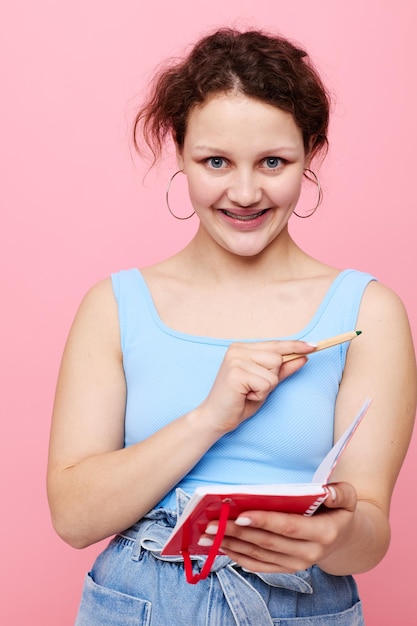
(168,373)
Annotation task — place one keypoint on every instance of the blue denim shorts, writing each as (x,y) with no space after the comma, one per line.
(132,585)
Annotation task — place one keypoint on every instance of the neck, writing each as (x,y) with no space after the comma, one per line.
(279,261)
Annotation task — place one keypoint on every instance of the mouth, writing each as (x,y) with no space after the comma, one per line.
(245,217)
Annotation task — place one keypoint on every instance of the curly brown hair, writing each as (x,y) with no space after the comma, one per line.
(259,65)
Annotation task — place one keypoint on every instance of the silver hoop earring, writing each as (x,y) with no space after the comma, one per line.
(315,180)
(167,199)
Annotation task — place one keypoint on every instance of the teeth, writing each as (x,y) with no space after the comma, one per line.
(244,218)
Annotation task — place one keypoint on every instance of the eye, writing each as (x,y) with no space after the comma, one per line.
(272,163)
(216,162)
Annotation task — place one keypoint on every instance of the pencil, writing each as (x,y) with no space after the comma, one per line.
(326,343)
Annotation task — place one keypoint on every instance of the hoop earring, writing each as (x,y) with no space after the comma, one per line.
(315,180)
(167,199)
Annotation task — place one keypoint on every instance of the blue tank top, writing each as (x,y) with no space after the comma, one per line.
(169,373)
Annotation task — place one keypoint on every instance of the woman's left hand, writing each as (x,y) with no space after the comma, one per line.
(269,541)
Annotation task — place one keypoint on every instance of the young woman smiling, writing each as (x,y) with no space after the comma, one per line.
(173,376)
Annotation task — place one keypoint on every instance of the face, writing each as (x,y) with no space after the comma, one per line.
(244,162)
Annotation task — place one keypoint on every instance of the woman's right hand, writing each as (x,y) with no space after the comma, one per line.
(248,374)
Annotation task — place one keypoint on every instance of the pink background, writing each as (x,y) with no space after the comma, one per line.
(73,209)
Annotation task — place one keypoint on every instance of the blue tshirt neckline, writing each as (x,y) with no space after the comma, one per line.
(225,342)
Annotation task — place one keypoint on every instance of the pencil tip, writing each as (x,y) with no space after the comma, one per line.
(359,332)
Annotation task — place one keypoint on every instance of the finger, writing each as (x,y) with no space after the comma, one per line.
(289,368)
(287,526)
(264,359)
(253,381)
(341,496)
(267,562)
(293,346)
(261,547)
(268,360)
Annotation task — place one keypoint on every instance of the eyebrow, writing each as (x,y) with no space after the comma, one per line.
(272,151)
(207,149)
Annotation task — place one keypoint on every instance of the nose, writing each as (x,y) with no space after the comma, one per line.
(244,189)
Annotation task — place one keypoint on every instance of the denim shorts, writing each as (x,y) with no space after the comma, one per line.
(132,585)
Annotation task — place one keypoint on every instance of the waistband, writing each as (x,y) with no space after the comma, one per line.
(245,602)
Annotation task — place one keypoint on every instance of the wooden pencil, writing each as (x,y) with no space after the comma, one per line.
(326,343)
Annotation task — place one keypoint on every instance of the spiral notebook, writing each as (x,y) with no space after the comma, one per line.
(223,502)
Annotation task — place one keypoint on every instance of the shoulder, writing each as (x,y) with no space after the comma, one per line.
(384,322)
(386,344)
(96,320)
(99,298)
(381,305)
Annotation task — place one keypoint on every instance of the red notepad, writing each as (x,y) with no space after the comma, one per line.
(223,502)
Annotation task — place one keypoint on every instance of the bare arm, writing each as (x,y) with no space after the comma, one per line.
(95,486)
(352,533)
(382,366)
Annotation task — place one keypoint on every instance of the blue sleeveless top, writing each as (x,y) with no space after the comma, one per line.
(169,373)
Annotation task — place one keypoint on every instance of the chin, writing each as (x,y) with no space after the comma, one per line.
(246,252)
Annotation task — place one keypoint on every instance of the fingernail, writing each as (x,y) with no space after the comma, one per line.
(211,529)
(205,542)
(243,521)
(333,494)
(313,345)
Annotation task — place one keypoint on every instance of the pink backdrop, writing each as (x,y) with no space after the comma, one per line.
(73,208)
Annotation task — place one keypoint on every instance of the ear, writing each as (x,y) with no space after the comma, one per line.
(307,161)
(309,153)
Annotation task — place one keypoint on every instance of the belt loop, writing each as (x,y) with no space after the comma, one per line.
(137,546)
(136,549)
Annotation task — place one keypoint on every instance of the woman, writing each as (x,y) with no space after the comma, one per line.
(173,376)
